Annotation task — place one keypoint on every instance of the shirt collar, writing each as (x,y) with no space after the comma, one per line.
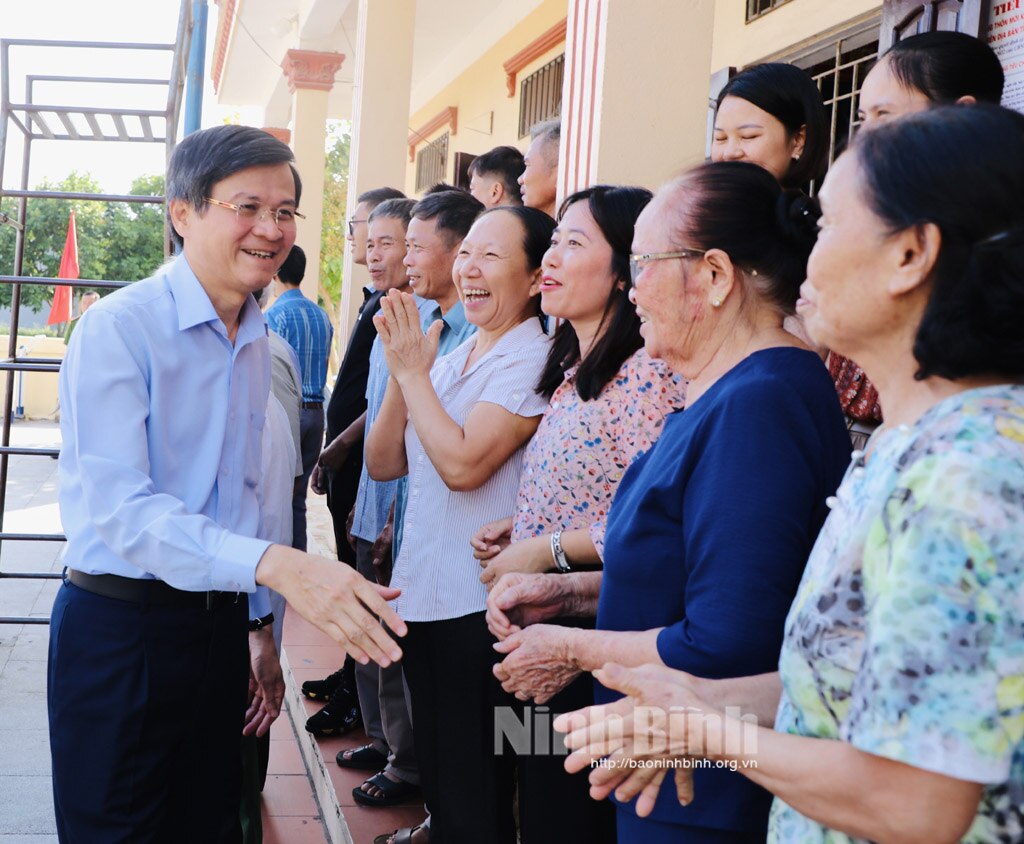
(195,308)
(518,337)
(193,305)
(291,293)
(455,319)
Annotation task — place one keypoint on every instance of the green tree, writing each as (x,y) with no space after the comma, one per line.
(119,241)
(334,229)
(135,233)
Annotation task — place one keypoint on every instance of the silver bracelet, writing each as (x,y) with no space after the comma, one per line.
(557,554)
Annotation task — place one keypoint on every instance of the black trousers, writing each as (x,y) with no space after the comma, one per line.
(467,785)
(146,706)
(554,805)
(342,486)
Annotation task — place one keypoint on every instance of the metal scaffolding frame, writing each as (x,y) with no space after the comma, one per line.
(69,122)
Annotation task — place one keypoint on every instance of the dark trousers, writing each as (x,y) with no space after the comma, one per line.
(146,706)
(554,805)
(311,439)
(467,786)
(342,487)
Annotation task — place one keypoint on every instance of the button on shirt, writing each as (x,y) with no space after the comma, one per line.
(435,569)
(307,328)
(457,329)
(374,498)
(162,420)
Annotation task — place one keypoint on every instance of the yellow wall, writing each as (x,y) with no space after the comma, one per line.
(738,43)
(39,389)
(481,89)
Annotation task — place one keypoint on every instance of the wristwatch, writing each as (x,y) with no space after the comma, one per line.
(558,555)
(259,623)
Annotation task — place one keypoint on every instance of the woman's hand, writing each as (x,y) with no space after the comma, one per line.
(519,600)
(660,720)
(408,351)
(531,556)
(539,662)
(492,539)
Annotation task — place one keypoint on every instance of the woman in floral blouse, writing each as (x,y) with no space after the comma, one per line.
(901,681)
(608,402)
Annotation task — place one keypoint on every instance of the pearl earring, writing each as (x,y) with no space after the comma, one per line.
(716,303)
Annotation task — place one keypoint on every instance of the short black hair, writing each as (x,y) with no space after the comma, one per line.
(740,208)
(537,229)
(949,166)
(293,270)
(507,163)
(398,209)
(454,212)
(945,66)
(443,187)
(615,210)
(376,196)
(211,155)
(791,96)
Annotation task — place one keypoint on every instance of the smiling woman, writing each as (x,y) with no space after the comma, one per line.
(710,528)
(459,427)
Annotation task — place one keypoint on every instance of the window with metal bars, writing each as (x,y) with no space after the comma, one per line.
(758,8)
(432,163)
(540,95)
(839,67)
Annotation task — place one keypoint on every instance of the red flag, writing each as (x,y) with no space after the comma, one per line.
(60,311)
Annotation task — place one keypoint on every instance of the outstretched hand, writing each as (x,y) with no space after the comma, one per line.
(659,722)
(342,603)
(519,600)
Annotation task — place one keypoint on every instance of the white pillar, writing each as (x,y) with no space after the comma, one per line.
(634,116)
(310,78)
(380,119)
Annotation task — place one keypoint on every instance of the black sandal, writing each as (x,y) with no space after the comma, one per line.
(365,758)
(393,794)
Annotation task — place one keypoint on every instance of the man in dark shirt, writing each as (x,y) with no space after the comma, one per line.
(340,479)
(348,399)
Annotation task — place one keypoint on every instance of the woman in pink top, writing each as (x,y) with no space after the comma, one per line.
(608,402)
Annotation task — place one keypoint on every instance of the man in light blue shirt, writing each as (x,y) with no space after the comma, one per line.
(163,396)
(307,329)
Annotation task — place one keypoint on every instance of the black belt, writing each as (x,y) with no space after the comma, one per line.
(147,591)
(312,405)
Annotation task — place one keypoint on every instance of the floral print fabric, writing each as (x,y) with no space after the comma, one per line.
(582,448)
(906,637)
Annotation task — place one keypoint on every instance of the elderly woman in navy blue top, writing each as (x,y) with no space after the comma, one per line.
(709,531)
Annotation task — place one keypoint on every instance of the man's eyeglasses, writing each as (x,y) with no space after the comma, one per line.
(352,226)
(638,263)
(250,212)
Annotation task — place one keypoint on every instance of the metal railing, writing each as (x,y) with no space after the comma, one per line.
(69,122)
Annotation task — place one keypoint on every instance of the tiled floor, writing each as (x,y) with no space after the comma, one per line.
(312,655)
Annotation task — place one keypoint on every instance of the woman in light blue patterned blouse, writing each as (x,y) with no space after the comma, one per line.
(900,688)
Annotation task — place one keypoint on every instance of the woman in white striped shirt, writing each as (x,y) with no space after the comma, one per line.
(459,428)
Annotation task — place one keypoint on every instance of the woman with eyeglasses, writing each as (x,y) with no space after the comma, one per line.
(898,705)
(609,399)
(710,529)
